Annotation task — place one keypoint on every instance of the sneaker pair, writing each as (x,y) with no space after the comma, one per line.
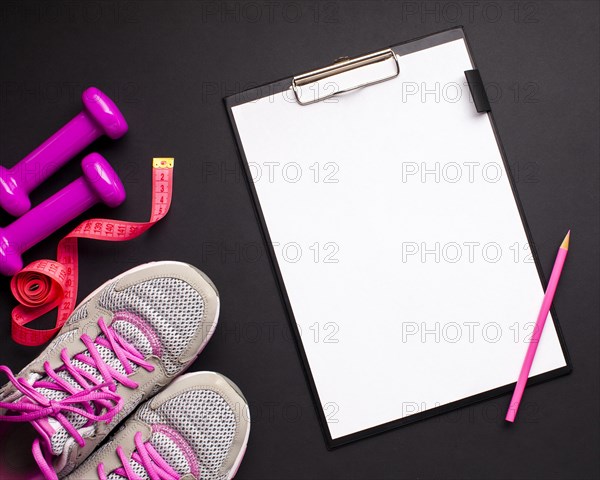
(124,344)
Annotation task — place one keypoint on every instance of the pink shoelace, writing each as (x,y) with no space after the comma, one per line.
(146,456)
(95,400)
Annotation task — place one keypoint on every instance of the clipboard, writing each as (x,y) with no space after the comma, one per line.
(395,232)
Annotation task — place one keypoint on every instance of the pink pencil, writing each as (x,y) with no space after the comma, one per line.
(537,331)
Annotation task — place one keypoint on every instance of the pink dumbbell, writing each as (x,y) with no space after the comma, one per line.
(99,183)
(100,116)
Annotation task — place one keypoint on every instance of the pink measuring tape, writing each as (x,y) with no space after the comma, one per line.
(46,284)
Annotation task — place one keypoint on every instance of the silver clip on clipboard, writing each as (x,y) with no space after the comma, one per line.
(345,75)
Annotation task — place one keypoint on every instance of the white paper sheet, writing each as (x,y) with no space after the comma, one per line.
(399,241)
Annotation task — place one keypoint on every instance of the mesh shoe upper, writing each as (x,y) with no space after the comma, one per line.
(159,314)
(208,427)
(198,427)
(162,302)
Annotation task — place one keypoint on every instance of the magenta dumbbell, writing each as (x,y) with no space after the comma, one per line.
(99,183)
(100,116)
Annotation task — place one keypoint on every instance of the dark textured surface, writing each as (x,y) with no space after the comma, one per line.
(168,65)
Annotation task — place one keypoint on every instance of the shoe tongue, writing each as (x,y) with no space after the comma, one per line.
(132,332)
(172,448)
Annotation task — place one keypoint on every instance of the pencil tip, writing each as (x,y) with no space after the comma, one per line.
(565,243)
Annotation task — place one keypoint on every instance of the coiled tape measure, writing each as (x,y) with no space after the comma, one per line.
(46,284)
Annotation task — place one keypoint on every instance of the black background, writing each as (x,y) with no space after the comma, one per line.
(169,64)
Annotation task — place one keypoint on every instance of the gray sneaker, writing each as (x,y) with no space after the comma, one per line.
(195,429)
(124,343)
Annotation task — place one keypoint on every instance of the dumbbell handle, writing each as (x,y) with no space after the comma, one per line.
(51,155)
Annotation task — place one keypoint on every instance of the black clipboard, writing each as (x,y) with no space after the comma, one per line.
(480,104)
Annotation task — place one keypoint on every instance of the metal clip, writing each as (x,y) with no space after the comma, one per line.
(375,68)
